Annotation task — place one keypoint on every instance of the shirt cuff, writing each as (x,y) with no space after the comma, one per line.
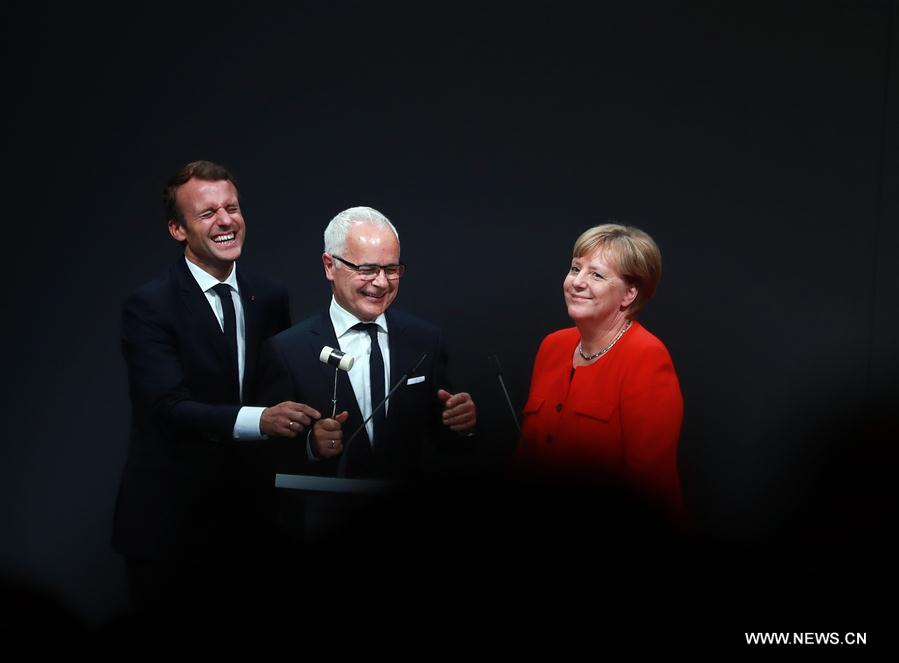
(246,426)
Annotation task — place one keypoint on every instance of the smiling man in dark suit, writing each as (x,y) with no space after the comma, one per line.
(196,490)
(362,262)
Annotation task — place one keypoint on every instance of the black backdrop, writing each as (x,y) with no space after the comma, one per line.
(757,142)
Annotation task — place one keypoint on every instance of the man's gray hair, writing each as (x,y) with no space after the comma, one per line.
(339,227)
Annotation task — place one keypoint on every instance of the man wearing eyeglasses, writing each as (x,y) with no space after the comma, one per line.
(362,261)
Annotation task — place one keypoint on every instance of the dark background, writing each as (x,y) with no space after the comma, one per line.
(757,142)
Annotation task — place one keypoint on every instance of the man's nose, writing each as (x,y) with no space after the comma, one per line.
(222,217)
(381,279)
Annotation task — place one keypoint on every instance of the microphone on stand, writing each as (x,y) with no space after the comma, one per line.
(494,359)
(341,466)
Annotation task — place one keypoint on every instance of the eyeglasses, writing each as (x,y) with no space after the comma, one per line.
(370,272)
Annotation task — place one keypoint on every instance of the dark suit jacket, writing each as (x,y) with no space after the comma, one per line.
(187,485)
(291,370)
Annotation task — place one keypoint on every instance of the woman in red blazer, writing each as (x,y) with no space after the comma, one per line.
(605,401)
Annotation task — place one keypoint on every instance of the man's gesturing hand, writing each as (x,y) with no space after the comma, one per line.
(287,419)
(459,412)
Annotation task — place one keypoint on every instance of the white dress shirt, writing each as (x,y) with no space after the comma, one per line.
(246,426)
(357,344)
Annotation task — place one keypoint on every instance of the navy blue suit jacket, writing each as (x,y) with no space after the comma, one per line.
(290,370)
(187,485)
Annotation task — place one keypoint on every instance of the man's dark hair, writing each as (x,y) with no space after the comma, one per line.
(202,170)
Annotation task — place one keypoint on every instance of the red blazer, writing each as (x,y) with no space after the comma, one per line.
(619,417)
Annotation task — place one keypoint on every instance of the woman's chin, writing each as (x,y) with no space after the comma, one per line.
(576,313)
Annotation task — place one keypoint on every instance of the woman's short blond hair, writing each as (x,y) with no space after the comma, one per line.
(631,252)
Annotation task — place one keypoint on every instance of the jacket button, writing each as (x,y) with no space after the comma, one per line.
(549,439)
(559,407)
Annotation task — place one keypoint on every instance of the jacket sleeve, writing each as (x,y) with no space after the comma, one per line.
(445,439)
(651,414)
(159,391)
(523,457)
(276,383)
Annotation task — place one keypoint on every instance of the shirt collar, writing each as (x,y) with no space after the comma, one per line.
(343,320)
(207,281)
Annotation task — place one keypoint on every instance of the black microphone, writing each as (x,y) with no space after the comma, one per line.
(499,374)
(341,467)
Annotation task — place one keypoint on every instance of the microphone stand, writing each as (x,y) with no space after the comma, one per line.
(499,374)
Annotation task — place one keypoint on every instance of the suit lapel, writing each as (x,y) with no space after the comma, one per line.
(252,321)
(401,352)
(322,334)
(404,354)
(405,350)
(199,313)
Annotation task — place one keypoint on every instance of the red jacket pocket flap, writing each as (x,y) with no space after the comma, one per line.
(595,409)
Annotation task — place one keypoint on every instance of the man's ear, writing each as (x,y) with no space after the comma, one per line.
(328,264)
(176,230)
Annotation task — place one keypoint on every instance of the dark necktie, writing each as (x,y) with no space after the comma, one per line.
(229,327)
(376,377)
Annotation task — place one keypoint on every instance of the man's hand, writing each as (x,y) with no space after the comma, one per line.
(287,419)
(327,437)
(459,411)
